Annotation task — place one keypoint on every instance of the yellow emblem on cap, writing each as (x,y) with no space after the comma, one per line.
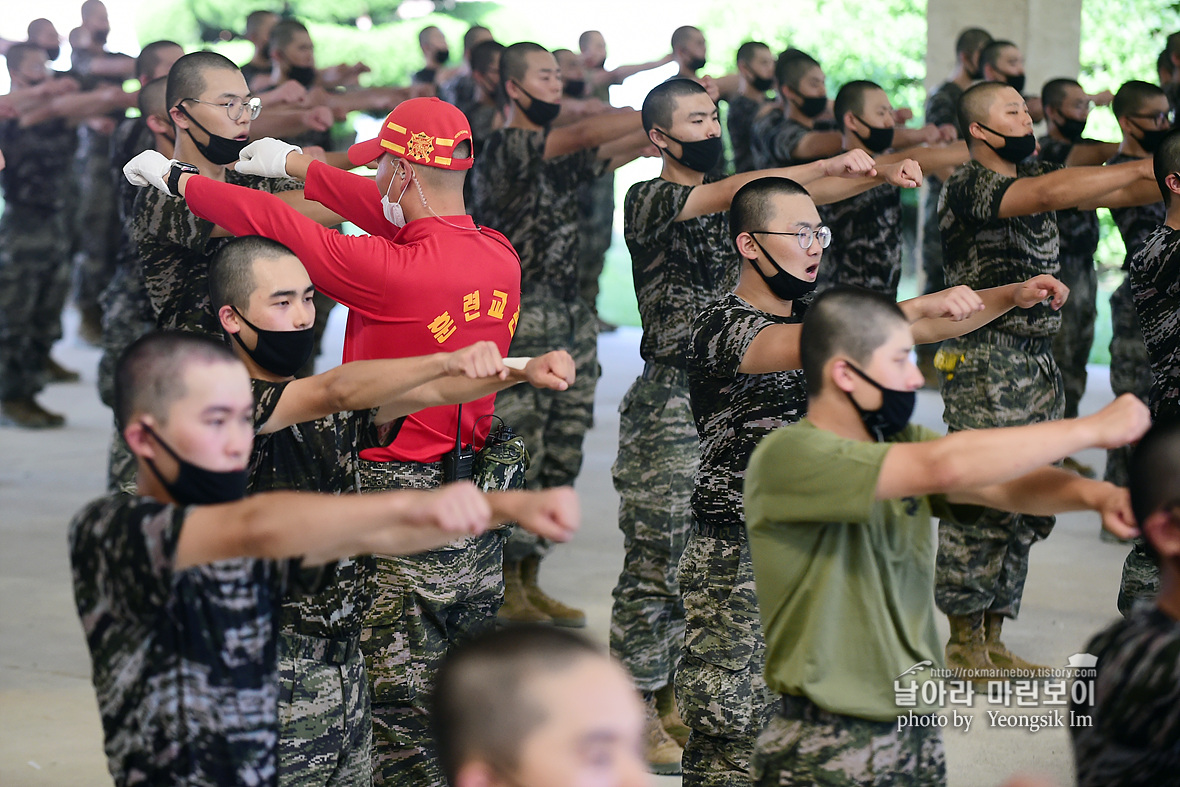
(420,146)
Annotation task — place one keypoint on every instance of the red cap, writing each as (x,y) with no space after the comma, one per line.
(420,130)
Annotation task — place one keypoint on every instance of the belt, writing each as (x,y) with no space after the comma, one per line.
(720,532)
(332,650)
(664,373)
(1036,345)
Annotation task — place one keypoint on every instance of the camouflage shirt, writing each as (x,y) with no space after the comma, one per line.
(176,248)
(740,124)
(982,250)
(318,456)
(679,267)
(1137,222)
(866,240)
(1155,285)
(1133,703)
(38,160)
(734,411)
(184,662)
(534,201)
(773,138)
(942,105)
(1078,228)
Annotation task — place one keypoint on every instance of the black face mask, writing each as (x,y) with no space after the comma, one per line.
(279,352)
(304,75)
(197,486)
(784,286)
(53,53)
(762,83)
(879,139)
(1015,81)
(1151,138)
(813,106)
(540,112)
(442,56)
(574,88)
(699,155)
(218,150)
(894,413)
(1016,149)
(696,64)
(1072,129)
(100,37)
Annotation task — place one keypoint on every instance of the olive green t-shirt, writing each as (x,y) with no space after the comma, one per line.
(845,582)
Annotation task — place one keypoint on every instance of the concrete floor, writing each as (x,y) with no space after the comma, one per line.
(49,726)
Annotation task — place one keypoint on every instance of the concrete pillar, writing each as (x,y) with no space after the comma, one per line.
(1048,32)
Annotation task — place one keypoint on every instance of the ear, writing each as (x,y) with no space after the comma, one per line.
(976,131)
(746,246)
(475,774)
(1173,183)
(512,90)
(849,118)
(653,140)
(157,125)
(229,319)
(178,117)
(138,439)
(836,369)
(1162,531)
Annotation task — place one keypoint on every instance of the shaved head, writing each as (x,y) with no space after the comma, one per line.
(847,321)
(150,374)
(976,102)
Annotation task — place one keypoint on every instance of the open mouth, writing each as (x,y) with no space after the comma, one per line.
(811,270)
(242,137)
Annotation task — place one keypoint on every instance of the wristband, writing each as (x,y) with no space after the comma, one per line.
(178,169)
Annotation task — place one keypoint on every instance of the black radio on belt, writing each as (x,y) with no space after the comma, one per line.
(458,463)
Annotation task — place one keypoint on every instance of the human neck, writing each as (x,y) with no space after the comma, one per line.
(990,159)
(832,411)
(796,114)
(753,290)
(1168,600)
(516,118)
(675,172)
(960,77)
(1131,147)
(1172,220)
(1055,133)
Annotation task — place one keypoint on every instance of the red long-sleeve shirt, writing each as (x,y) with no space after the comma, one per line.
(433,286)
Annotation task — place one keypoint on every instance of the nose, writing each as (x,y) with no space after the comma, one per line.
(306,314)
(914,378)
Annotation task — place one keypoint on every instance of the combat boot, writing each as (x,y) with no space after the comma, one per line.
(28,414)
(60,374)
(516,607)
(1005,659)
(670,714)
(966,654)
(663,754)
(559,613)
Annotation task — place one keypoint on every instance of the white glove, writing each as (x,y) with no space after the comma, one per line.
(266,157)
(149,168)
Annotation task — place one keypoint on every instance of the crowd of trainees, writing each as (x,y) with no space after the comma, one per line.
(723,273)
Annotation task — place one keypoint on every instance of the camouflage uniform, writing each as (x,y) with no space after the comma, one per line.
(596,224)
(739,122)
(679,267)
(325,730)
(1130,371)
(722,692)
(34,265)
(423,605)
(808,745)
(184,662)
(773,138)
(97,234)
(1132,703)
(1079,234)
(175,248)
(1000,375)
(534,202)
(866,247)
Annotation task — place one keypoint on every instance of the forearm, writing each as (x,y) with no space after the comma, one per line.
(362,385)
(618,75)
(1042,492)
(997,301)
(74,106)
(1086,186)
(279,122)
(625,150)
(591,133)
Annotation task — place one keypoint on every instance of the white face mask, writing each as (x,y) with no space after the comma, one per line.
(393,210)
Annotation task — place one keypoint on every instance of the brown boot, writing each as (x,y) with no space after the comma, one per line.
(558,612)
(670,715)
(1004,658)
(90,326)
(966,654)
(663,754)
(27,414)
(517,608)
(60,374)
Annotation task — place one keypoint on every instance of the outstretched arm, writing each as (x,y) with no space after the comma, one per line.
(1051,490)
(959,310)
(591,132)
(1072,187)
(616,76)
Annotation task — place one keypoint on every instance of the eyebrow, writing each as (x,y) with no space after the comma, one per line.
(220,409)
(291,293)
(692,115)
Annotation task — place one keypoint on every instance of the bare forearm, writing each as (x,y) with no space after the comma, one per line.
(361,385)
(591,133)
(1043,492)
(974,459)
(997,301)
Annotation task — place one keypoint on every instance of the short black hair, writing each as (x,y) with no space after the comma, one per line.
(752,207)
(584,39)
(152,99)
(844,320)
(231,272)
(484,54)
(481,708)
(424,33)
(186,78)
(283,33)
(17,53)
(975,103)
(472,33)
(37,23)
(661,101)
(680,35)
(149,375)
(1054,91)
(1132,96)
(1173,43)
(1166,161)
(149,57)
(991,53)
(255,19)
(971,40)
(1153,475)
(791,66)
(1163,64)
(514,63)
(746,51)
(851,98)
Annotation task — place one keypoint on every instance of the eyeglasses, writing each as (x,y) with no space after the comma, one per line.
(806,235)
(1157,118)
(235,106)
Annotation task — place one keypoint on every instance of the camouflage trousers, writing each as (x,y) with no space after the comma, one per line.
(722,692)
(1130,370)
(126,316)
(423,605)
(552,423)
(933,275)
(810,746)
(654,473)
(34,281)
(596,222)
(983,565)
(1141,578)
(96,228)
(325,732)
(1071,345)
